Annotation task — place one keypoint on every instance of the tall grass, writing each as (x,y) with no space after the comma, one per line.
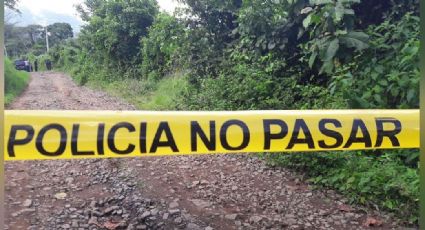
(15,81)
(163,94)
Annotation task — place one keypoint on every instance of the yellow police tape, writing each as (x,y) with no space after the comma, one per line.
(33,135)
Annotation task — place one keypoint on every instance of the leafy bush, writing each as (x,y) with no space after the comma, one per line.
(243,88)
(387,74)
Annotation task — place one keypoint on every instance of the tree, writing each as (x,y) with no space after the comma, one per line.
(59,32)
(115,28)
(87,8)
(163,48)
(218,17)
(11,4)
(17,41)
(35,33)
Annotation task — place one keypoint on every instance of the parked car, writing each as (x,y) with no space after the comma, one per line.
(22,65)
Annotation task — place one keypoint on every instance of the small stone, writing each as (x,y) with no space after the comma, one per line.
(231,216)
(145,215)
(255,219)
(27,203)
(192,226)
(69,180)
(27,210)
(201,203)
(74,224)
(290,216)
(209,228)
(93,220)
(60,196)
(178,220)
(111,209)
(96,213)
(174,204)
(173,211)
(291,221)
(154,212)
(165,216)
(234,188)
(141,227)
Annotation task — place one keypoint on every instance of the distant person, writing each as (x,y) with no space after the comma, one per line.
(48,64)
(35,65)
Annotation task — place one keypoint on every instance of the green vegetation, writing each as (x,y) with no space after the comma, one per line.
(252,54)
(146,94)
(15,81)
(25,41)
(29,42)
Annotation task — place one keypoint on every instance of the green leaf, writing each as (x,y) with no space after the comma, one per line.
(349,12)
(351,180)
(383,82)
(339,11)
(357,40)
(410,95)
(312,59)
(320,2)
(307,21)
(359,35)
(327,66)
(271,45)
(378,98)
(332,49)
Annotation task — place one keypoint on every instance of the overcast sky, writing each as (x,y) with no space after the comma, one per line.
(45,12)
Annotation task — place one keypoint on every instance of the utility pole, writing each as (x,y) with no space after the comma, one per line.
(47,39)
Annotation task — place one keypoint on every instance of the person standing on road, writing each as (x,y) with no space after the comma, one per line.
(35,65)
(48,64)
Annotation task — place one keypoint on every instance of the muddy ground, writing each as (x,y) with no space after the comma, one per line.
(236,191)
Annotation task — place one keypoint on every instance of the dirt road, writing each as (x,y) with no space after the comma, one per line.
(190,192)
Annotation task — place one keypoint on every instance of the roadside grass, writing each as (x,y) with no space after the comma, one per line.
(15,81)
(145,94)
